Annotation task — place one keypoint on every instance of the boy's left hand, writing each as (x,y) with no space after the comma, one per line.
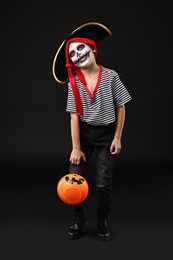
(115,147)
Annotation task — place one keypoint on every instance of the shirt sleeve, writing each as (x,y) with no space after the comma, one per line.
(71,106)
(120,93)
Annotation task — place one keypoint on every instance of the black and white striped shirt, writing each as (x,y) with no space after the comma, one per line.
(100,108)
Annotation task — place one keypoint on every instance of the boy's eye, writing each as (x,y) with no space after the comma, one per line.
(80,47)
(72,53)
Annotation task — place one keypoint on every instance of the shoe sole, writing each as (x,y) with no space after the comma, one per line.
(101,238)
(74,237)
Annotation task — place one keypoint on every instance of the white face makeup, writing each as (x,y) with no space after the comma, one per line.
(81,54)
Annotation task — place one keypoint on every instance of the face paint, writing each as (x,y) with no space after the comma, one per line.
(81,54)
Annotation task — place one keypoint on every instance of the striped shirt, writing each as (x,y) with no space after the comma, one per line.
(100,108)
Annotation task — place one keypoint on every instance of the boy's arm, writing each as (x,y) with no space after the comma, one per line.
(115,147)
(76,154)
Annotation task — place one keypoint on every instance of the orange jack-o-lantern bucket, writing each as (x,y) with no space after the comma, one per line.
(72,189)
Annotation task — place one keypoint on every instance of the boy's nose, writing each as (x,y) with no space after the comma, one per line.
(78,54)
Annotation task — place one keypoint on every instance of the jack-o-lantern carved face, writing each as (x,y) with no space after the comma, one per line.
(74,179)
(72,189)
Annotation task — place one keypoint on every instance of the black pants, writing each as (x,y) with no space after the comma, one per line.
(97,139)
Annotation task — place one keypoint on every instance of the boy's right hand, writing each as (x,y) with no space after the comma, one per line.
(76,156)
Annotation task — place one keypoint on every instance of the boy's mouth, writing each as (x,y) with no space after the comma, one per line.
(82,59)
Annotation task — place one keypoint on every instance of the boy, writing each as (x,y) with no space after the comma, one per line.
(96,103)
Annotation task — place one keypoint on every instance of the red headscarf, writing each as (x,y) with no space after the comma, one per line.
(71,66)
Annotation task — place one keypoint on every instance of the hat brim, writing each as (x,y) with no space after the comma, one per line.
(93,30)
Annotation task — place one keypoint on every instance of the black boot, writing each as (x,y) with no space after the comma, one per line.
(104,230)
(77,227)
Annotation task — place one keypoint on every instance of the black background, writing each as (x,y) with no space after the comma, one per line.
(35,132)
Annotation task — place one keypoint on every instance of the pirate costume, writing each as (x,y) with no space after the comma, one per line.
(97,117)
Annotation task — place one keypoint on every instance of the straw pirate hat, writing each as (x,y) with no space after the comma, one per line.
(92,30)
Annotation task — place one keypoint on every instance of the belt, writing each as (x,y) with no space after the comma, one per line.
(93,124)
